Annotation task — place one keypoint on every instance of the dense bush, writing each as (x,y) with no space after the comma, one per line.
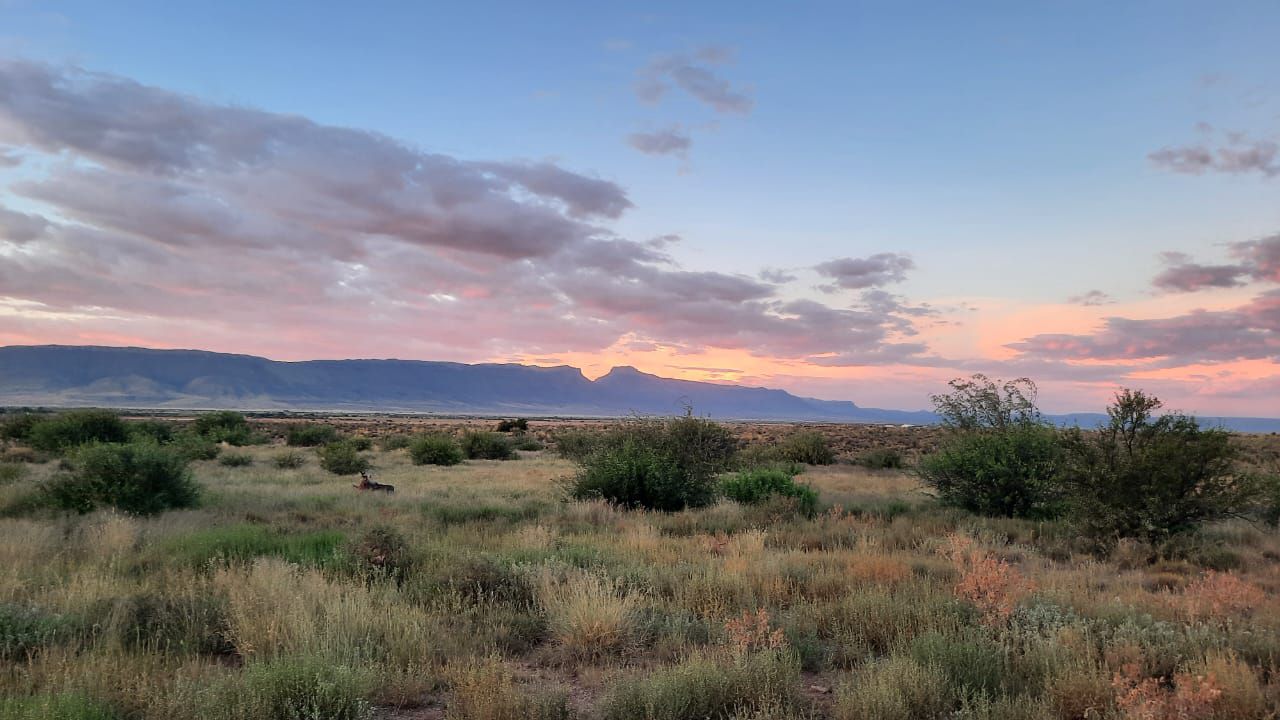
(142,478)
(361,442)
(311,435)
(193,447)
(528,444)
(752,487)
(1000,457)
(576,445)
(487,446)
(64,431)
(435,450)
(880,459)
(235,460)
(1009,473)
(226,426)
(1149,477)
(381,551)
(657,464)
(518,425)
(24,631)
(342,458)
(807,447)
(396,442)
(18,425)
(154,430)
(300,689)
(289,460)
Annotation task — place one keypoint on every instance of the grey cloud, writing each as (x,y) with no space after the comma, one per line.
(1238,155)
(1093,298)
(19,227)
(1259,261)
(668,141)
(868,272)
(777,276)
(691,74)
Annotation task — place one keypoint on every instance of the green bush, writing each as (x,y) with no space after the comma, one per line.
(1012,472)
(518,425)
(361,442)
(1148,477)
(486,446)
(396,442)
(24,631)
(896,688)
(435,450)
(235,460)
(63,706)
(381,551)
(142,478)
(299,688)
(759,684)
(528,444)
(11,472)
(807,447)
(657,464)
(226,426)
(576,445)
(289,460)
(752,487)
(18,425)
(311,435)
(154,430)
(194,447)
(880,459)
(68,430)
(342,458)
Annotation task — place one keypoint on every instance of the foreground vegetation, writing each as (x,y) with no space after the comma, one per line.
(656,569)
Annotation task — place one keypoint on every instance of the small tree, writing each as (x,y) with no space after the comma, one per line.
(142,478)
(1148,477)
(1001,458)
(226,426)
(342,458)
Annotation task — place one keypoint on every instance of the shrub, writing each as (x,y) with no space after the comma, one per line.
(993,585)
(226,426)
(289,460)
(78,427)
(1012,472)
(1148,477)
(342,458)
(302,688)
(154,430)
(311,435)
(880,459)
(63,706)
(576,445)
(11,472)
(657,464)
(528,444)
(897,688)
(18,425)
(435,450)
(139,478)
(396,442)
(486,446)
(381,550)
(518,425)
(235,460)
(809,448)
(752,487)
(361,442)
(487,690)
(24,631)
(760,684)
(586,612)
(194,447)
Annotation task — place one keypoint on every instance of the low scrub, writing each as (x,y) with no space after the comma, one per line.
(69,430)
(761,684)
(435,450)
(11,472)
(897,688)
(808,447)
(290,460)
(226,426)
(311,435)
(664,465)
(752,487)
(342,458)
(487,690)
(63,706)
(487,446)
(235,460)
(880,459)
(154,430)
(576,445)
(141,478)
(299,688)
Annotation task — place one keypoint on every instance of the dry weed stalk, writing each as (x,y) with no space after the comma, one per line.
(1221,596)
(1191,697)
(990,583)
(751,631)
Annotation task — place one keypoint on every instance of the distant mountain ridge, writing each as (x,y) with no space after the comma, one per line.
(129,377)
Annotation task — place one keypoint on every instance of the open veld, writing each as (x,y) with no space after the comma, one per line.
(477,590)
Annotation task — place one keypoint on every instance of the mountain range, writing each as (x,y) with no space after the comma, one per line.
(128,377)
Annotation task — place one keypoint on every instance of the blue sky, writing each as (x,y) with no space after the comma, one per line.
(1005,147)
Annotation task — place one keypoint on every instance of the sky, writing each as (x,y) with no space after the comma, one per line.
(853,201)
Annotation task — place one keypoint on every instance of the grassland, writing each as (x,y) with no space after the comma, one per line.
(476,591)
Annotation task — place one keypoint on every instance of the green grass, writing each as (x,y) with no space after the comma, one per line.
(243,542)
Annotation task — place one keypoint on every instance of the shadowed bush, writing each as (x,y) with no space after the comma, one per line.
(576,445)
(311,435)
(290,460)
(226,426)
(664,465)
(141,478)
(24,631)
(435,450)
(752,487)
(486,446)
(517,425)
(79,427)
(880,459)
(155,430)
(342,458)
(807,447)
(18,425)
